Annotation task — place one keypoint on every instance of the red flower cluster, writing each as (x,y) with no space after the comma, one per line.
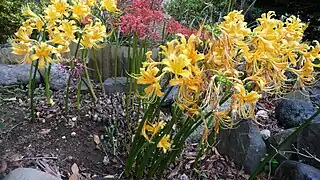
(173,27)
(146,19)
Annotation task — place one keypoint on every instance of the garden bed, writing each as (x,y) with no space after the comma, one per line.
(60,141)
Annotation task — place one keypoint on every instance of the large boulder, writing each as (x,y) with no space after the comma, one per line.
(15,74)
(289,170)
(314,91)
(308,143)
(58,77)
(293,112)
(243,144)
(29,174)
(276,139)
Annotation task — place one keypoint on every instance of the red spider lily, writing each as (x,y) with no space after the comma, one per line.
(145,19)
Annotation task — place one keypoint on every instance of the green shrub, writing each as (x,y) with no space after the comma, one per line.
(192,12)
(11,16)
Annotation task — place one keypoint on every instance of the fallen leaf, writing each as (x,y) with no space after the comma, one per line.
(16,157)
(75,169)
(3,166)
(96,139)
(73,177)
(44,131)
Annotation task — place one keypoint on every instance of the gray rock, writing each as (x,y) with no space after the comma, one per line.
(244,145)
(293,170)
(308,142)
(278,138)
(58,79)
(29,174)
(169,100)
(119,84)
(291,113)
(315,93)
(301,95)
(6,56)
(15,74)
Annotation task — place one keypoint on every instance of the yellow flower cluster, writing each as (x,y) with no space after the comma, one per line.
(151,130)
(239,62)
(46,36)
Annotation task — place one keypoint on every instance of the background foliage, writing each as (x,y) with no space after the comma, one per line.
(11,16)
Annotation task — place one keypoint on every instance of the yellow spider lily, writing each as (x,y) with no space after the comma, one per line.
(27,12)
(61,6)
(165,143)
(151,128)
(22,49)
(109,5)
(42,53)
(149,77)
(80,10)
(68,28)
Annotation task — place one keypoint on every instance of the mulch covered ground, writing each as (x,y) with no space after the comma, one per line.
(95,138)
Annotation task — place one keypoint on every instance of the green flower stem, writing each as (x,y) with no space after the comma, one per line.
(128,92)
(78,104)
(79,92)
(281,145)
(47,83)
(30,80)
(33,86)
(91,91)
(66,104)
(98,71)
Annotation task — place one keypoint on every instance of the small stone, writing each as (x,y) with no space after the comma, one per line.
(95,117)
(184,177)
(262,114)
(106,160)
(265,134)
(73,134)
(74,119)
(29,174)
(42,120)
(63,137)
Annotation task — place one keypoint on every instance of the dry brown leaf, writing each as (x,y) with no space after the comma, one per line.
(3,166)
(96,139)
(75,169)
(74,177)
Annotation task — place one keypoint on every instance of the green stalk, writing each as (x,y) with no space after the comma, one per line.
(79,92)
(127,92)
(47,83)
(283,144)
(33,84)
(98,71)
(66,109)
(78,104)
(30,80)
(91,91)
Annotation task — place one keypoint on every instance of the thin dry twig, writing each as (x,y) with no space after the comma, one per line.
(9,130)
(37,158)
